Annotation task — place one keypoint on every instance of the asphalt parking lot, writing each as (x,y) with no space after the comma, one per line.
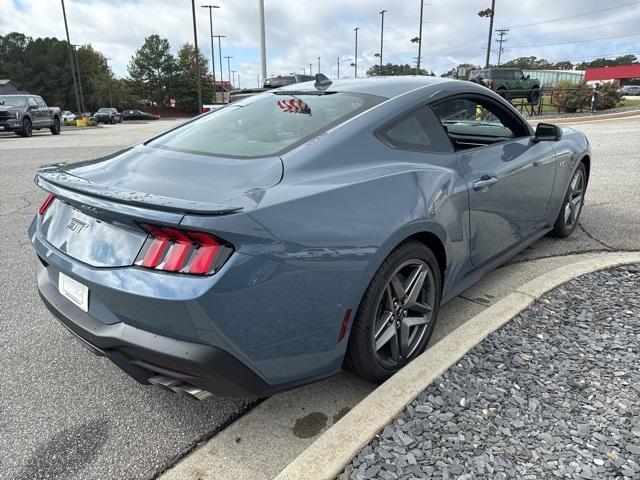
(67,414)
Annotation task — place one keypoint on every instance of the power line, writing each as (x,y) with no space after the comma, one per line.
(574,16)
(576,41)
(502,32)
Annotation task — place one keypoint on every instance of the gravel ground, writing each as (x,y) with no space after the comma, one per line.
(553,394)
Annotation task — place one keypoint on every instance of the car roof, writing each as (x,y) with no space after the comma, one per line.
(383,86)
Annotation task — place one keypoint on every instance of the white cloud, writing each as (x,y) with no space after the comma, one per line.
(298,31)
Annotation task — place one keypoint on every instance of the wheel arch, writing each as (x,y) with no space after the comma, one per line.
(587,164)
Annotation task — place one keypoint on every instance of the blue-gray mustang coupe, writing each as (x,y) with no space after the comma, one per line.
(313,227)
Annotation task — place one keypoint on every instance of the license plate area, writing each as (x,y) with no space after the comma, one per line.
(74,291)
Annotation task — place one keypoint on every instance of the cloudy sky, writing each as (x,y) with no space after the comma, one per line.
(300,31)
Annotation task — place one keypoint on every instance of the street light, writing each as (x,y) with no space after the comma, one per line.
(220,57)
(73,73)
(229,68)
(310,69)
(381,38)
(355,63)
(340,61)
(75,50)
(195,43)
(318,64)
(213,63)
(489,12)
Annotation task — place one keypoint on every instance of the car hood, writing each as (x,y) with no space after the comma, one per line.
(168,180)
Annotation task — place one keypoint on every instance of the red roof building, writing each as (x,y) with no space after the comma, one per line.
(608,74)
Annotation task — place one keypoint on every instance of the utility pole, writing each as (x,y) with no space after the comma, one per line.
(263,44)
(195,43)
(489,12)
(381,38)
(238,80)
(77,59)
(355,61)
(319,65)
(310,69)
(213,62)
(229,69)
(420,35)
(502,32)
(73,74)
(220,56)
(338,67)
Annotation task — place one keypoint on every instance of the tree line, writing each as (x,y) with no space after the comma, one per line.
(535,63)
(41,66)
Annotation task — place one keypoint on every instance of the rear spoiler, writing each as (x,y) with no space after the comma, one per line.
(53,178)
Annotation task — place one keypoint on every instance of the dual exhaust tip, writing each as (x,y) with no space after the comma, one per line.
(178,386)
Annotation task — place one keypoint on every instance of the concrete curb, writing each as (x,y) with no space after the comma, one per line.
(584,119)
(327,456)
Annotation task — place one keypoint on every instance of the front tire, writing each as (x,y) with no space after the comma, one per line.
(27,128)
(569,215)
(396,316)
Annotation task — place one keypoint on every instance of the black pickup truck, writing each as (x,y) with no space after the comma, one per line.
(23,114)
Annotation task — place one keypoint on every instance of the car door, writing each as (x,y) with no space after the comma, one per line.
(32,107)
(509,175)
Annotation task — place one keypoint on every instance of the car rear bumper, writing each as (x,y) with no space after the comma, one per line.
(142,354)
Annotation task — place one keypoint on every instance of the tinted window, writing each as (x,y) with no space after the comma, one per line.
(265,124)
(418,130)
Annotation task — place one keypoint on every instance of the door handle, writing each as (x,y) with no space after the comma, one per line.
(484,183)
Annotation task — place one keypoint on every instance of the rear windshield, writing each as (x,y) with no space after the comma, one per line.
(264,125)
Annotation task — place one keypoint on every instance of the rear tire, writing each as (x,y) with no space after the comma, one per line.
(569,215)
(27,128)
(55,129)
(396,316)
(534,95)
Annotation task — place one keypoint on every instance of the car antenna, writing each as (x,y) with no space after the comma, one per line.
(322,82)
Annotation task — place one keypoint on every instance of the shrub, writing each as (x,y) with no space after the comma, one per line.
(570,97)
(608,96)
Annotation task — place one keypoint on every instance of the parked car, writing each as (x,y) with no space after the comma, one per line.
(269,83)
(272,242)
(67,116)
(24,113)
(108,115)
(630,90)
(509,83)
(138,115)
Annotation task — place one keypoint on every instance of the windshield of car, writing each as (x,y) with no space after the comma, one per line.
(13,101)
(104,110)
(265,125)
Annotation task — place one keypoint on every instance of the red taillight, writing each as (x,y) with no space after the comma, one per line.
(46,203)
(173,250)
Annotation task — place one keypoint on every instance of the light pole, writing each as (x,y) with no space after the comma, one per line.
(109,83)
(489,12)
(318,64)
(213,62)
(420,35)
(355,62)
(73,74)
(381,38)
(310,69)
(229,69)
(233,74)
(195,43)
(75,50)
(220,56)
(263,44)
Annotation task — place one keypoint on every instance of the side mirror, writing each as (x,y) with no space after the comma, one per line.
(548,132)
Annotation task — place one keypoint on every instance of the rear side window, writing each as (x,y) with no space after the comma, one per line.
(418,130)
(265,125)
